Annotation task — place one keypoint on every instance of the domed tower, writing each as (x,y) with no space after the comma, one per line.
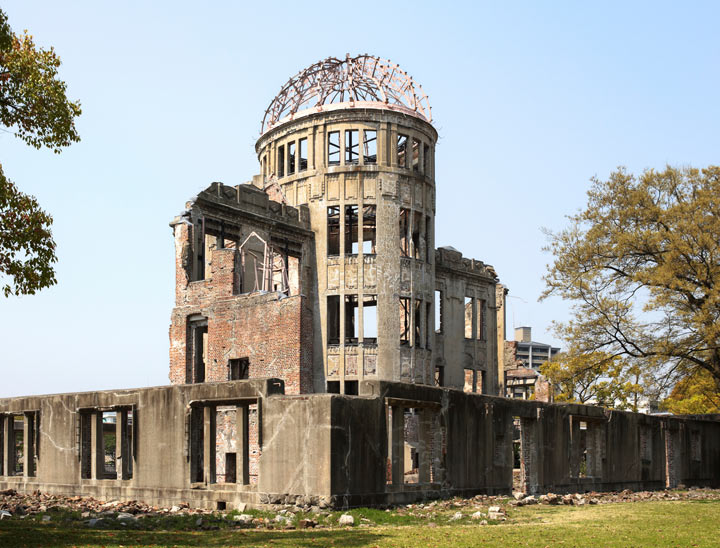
(352,140)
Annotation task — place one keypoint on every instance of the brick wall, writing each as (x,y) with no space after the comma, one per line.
(273,331)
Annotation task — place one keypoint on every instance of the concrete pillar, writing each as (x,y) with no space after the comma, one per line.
(242,444)
(209,441)
(29,445)
(123,455)
(425,445)
(398,445)
(529,455)
(4,448)
(97,446)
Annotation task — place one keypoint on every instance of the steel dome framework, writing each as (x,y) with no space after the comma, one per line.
(361,79)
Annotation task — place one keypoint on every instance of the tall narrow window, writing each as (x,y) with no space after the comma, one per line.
(416,321)
(416,229)
(369,230)
(469,310)
(439,375)
(333,319)
(333,230)
(370,319)
(404,321)
(334,148)
(109,431)
(402,141)
(405,232)
(415,155)
(438,311)
(198,349)
(369,146)
(291,158)
(239,369)
(351,319)
(429,331)
(428,247)
(281,161)
(303,154)
(351,230)
(426,159)
(481,319)
(352,146)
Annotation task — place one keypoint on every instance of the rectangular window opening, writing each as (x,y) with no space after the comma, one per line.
(230,469)
(303,154)
(428,325)
(238,369)
(428,231)
(416,230)
(351,319)
(439,375)
(369,146)
(426,159)
(18,445)
(351,388)
(370,330)
(369,230)
(109,440)
(405,232)
(281,161)
(291,157)
(404,321)
(469,312)
(198,350)
(333,230)
(333,319)
(333,387)
(333,148)
(416,320)
(352,146)
(438,311)
(415,155)
(402,141)
(351,230)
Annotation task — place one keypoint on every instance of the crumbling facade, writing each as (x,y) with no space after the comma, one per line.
(306,362)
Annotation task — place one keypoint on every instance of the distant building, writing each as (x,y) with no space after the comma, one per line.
(523,358)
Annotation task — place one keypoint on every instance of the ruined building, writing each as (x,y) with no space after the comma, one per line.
(306,361)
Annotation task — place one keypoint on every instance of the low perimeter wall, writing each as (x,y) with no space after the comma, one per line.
(222,445)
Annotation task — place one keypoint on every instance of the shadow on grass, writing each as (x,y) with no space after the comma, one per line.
(27,534)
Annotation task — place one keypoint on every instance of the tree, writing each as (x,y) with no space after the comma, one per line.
(33,105)
(641,264)
(694,395)
(596,378)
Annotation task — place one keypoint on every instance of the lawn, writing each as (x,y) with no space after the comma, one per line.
(679,523)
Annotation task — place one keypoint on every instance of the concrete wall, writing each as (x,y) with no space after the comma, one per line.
(345,450)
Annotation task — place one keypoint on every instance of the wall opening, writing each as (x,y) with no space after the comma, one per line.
(302,148)
(416,231)
(438,311)
(402,141)
(351,230)
(426,159)
(370,326)
(404,321)
(351,388)
(333,319)
(230,467)
(333,150)
(369,229)
(281,161)
(351,320)
(468,309)
(429,331)
(352,146)
(291,157)
(333,387)
(198,349)
(238,369)
(18,445)
(439,375)
(369,146)
(415,155)
(109,445)
(405,232)
(417,325)
(333,230)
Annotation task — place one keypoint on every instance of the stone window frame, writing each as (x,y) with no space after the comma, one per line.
(90,445)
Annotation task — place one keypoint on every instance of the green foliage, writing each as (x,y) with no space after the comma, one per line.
(32,98)
(694,395)
(596,378)
(27,250)
(640,265)
(33,105)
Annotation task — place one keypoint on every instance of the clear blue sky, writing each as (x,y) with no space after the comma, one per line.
(530,100)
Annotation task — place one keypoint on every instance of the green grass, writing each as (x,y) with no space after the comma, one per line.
(630,524)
